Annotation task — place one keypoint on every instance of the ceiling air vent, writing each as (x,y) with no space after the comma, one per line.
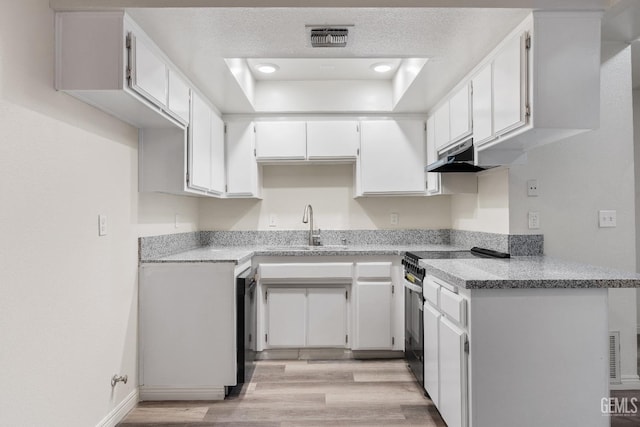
(329,37)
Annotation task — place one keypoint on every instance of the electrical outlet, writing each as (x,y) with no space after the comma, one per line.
(395,219)
(607,219)
(532,188)
(177,221)
(102,225)
(534,220)
(273,220)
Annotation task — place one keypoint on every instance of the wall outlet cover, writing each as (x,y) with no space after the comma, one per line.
(273,220)
(532,188)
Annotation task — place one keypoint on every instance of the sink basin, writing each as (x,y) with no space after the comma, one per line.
(306,248)
(289,248)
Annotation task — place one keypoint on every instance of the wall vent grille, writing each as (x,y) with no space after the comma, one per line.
(614,357)
(329,37)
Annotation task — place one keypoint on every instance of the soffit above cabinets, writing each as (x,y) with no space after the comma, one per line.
(198,40)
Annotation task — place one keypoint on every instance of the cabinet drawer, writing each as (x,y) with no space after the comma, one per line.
(430,291)
(322,270)
(454,306)
(373,270)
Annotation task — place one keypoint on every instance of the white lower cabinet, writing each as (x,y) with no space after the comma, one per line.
(306,317)
(327,317)
(431,353)
(333,303)
(286,317)
(452,401)
(445,351)
(187,330)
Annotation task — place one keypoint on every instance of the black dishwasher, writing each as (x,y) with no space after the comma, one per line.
(245,327)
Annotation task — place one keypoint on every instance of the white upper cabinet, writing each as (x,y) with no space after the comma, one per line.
(281,140)
(509,85)
(442,131)
(179,93)
(483,105)
(242,168)
(332,140)
(200,144)
(106,60)
(392,158)
(433,178)
(460,114)
(218,177)
(148,71)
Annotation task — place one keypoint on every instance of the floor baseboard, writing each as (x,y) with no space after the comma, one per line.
(120,411)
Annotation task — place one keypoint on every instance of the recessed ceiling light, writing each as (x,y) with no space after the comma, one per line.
(268,68)
(381,67)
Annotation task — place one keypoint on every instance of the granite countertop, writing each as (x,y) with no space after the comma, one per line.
(241,254)
(527,272)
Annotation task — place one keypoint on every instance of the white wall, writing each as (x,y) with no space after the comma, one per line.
(486,211)
(329,189)
(581,175)
(68,311)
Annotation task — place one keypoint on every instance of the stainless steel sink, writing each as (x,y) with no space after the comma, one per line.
(306,248)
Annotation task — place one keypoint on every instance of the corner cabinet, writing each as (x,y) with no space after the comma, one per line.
(187,347)
(206,149)
(106,60)
(392,158)
(525,94)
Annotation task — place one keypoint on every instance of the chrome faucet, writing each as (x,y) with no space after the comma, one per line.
(307,217)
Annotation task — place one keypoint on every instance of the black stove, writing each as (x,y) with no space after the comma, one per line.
(414,301)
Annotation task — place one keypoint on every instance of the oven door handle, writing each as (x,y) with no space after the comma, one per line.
(412,287)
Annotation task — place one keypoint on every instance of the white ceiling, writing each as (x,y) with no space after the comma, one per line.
(324,68)
(198,40)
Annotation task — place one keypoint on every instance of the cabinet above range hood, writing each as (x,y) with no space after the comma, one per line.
(459,158)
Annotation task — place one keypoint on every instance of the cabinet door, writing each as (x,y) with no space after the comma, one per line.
(200,144)
(442,129)
(332,140)
(218,176)
(373,316)
(326,317)
(453,374)
(460,114)
(482,106)
(392,156)
(281,140)
(178,103)
(286,317)
(186,316)
(509,86)
(431,353)
(242,168)
(433,178)
(148,72)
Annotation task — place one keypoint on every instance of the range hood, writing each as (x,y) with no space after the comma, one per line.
(459,158)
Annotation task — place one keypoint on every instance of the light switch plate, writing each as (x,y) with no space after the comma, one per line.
(102,225)
(607,219)
(395,219)
(177,220)
(534,220)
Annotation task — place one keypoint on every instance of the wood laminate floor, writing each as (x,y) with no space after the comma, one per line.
(306,393)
